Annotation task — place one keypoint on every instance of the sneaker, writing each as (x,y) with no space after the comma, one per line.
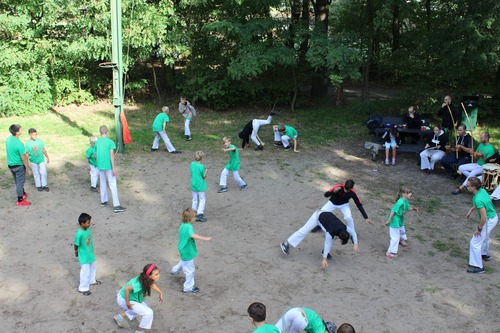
(390,255)
(284,247)
(85,293)
(25,195)
(456,191)
(475,270)
(274,113)
(386,162)
(45,188)
(154,149)
(259,147)
(93,189)
(393,162)
(278,143)
(329,256)
(201,218)
(192,291)
(403,243)
(119,209)
(120,321)
(288,148)
(188,138)
(243,187)
(174,273)
(176,152)
(486,257)
(23,203)
(330,327)
(222,189)
(104,204)
(39,189)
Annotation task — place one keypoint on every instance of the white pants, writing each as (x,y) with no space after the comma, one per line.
(165,138)
(94,176)
(346,211)
(470,170)
(187,131)
(283,138)
(138,309)
(496,193)
(188,269)
(87,276)
(111,179)
(480,245)
(256,123)
(236,175)
(435,155)
(299,235)
(396,235)
(199,200)
(39,173)
(292,321)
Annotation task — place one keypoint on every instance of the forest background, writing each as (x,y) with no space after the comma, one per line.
(224,54)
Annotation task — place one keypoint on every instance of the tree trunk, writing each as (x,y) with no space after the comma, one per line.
(319,87)
(366,62)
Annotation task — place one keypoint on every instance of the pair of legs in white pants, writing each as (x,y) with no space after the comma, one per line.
(236,175)
(187,130)
(480,245)
(396,234)
(166,140)
(256,123)
(199,200)
(434,155)
(346,211)
(87,276)
(188,269)
(292,321)
(39,173)
(94,176)
(138,309)
(283,138)
(111,179)
(470,170)
(299,235)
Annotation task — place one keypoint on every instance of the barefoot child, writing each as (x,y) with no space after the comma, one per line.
(198,185)
(91,166)
(233,165)
(131,298)
(396,220)
(187,250)
(84,250)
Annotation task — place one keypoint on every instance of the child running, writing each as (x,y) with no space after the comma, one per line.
(84,250)
(198,185)
(233,165)
(257,313)
(158,126)
(396,220)
(187,250)
(91,165)
(36,152)
(131,298)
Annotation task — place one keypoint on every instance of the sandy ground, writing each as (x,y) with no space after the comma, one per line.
(426,289)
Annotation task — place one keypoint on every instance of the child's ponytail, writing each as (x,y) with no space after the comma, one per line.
(403,190)
(144,279)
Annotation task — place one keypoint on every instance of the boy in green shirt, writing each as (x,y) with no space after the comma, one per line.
(84,250)
(18,163)
(282,136)
(257,313)
(198,186)
(158,126)
(91,165)
(36,152)
(187,250)
(233,165)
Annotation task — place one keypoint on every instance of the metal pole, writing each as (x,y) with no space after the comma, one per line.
(116,32)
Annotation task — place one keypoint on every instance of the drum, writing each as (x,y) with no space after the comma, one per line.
(490,176)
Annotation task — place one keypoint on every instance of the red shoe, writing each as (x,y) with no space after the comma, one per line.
(25,195)
(23,203)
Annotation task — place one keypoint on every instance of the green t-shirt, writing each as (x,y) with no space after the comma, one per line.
(234,159)
(14,148)
(198,183)
(482,200)
(186,245)
(267,328)
(400,208)
(136,294)
(290,132)
(103,147)
(83,239)
(90,155)
(487,150)
(35,150)
(314,322)
(159,120)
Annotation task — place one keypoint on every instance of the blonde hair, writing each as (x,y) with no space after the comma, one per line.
(198,155)
(226,138)
(188,215)
(92,139)
(165,109)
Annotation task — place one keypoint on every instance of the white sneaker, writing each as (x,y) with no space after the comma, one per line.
(120,321)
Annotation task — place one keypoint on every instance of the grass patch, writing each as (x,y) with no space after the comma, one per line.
(433,290)
(420,238)
(433,205)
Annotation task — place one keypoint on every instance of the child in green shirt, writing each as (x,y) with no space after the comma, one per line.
(257,313)
(36,152)
(187,250)
(84,250)
(198,186)
(233,165)
(91,165)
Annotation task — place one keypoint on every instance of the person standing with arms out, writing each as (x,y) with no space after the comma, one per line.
(188,112)
(232,166)
(257,313)
(36,152)
(84,250)
(91,165)
(131,298)
(187,250)
(488,218)
(198,186)
(159,125)
(18,163)
(105,161)
(396,221)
